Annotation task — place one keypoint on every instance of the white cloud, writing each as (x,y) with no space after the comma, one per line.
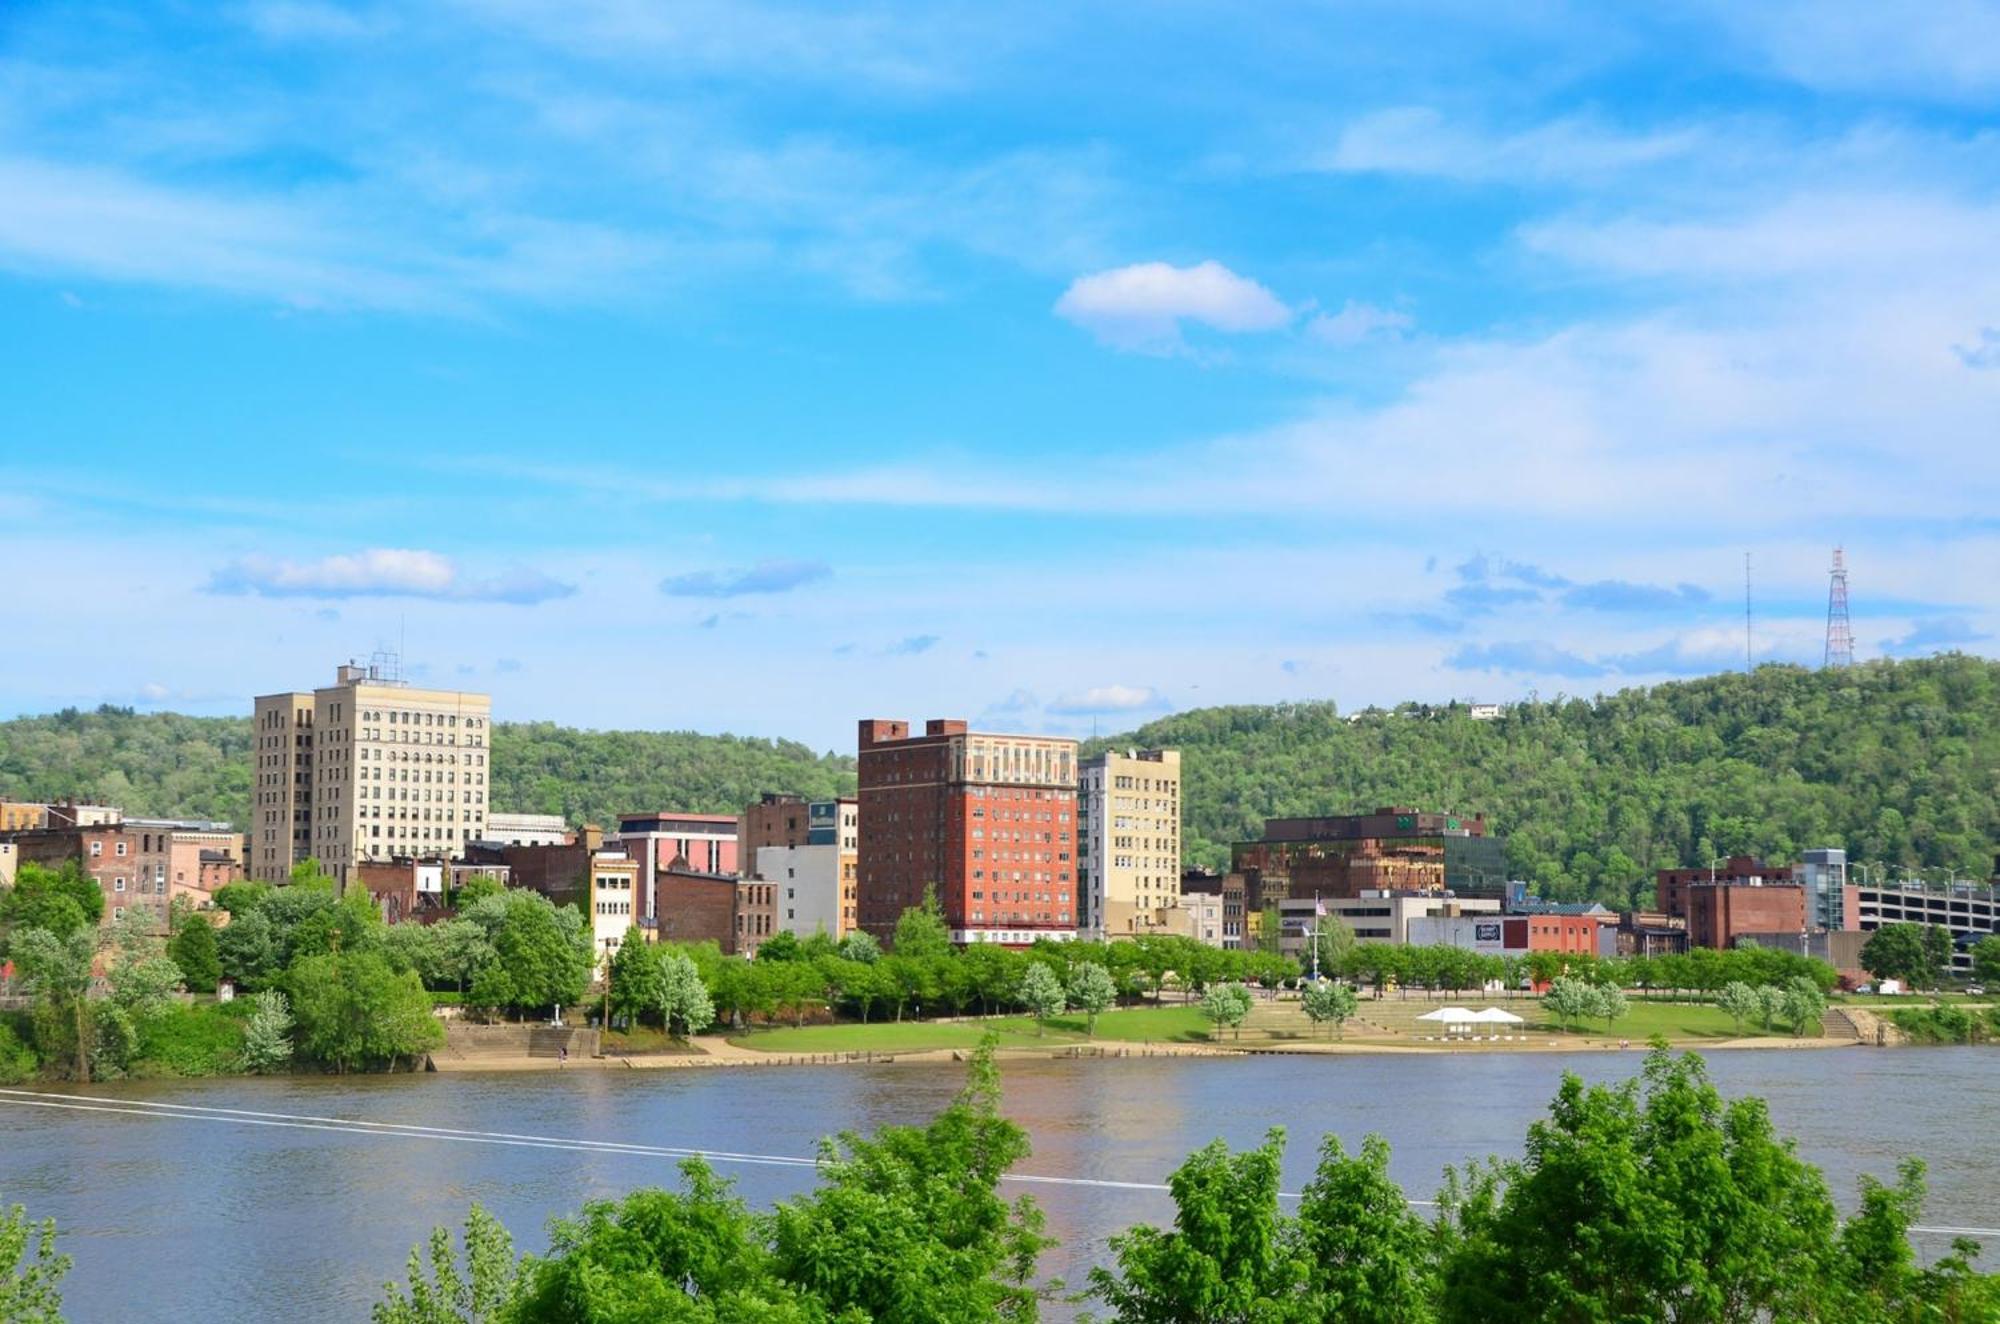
(1142,306)
(1359,322)
(381,572)
(1109,699)
(1947,51)
(1417,140)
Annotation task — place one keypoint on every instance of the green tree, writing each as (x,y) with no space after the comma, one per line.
(861,946)
(487,1290)
(1804,1005)
(56,973)
(542,953)
(1365,1256)
(1740,1001)
(1912,953)
(1571,999)
(1091,990)
(248,948)
(267,1036)
(193,950)
(64,900)
(1328,1001)
(637,979)
(683,999)
(355,1010)
(1608,1003)
(1225,1262)
(1986,959)
(1227,1006)
(29,1292)
(1042,994)
(783,945)
(1673,1205)
(921,933)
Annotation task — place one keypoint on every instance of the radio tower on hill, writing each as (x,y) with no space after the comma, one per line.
(1839,631)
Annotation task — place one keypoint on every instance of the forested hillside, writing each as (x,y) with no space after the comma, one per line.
(163,763)
(1899,762)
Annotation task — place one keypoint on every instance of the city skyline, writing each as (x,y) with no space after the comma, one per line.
(1056,369)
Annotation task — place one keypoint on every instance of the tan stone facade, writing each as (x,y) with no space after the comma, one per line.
(1130,842)
(374,770)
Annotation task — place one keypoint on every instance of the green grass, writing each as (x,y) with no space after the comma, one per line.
(1130,1025)
(642,1039)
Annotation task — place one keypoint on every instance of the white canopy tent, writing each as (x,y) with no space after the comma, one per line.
(1495,1016)
(1451,1016)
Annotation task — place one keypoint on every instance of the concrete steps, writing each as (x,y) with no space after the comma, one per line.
(473,1043)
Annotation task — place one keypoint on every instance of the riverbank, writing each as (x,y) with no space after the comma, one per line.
(1384,1027)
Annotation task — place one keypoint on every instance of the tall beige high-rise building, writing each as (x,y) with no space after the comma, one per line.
(368,768)
(1129,842)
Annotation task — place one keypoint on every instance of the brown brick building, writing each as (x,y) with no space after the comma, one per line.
(989,820)
(1718,912)
(735,914)
(1671,885)
(140,863)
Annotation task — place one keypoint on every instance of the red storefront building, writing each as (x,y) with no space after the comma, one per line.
(989,820)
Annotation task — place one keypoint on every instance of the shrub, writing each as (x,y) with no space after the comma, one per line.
(17,1061)
(188,1041)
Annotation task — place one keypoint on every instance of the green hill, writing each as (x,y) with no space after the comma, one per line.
(164,763)
(1897,761)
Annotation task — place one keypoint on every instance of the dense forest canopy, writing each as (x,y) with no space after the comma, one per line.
(1899,762)
(167,764)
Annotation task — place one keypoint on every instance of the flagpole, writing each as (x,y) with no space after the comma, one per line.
(1317,912)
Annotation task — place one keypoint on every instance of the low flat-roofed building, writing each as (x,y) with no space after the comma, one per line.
(1373,916)
(525,829)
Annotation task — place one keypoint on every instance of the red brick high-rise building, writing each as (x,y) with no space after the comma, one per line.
(990,820)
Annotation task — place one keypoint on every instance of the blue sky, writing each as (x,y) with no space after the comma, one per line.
(759,367)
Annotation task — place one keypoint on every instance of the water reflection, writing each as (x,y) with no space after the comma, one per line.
(178,1218)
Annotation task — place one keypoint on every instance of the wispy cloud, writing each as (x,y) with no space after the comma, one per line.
(1356,323)
(1419,140)
(381,573)
(1930,636)
(763,577)
(1620,595)
(1109,699)
(912,645)
(1143,307)
(1524,657)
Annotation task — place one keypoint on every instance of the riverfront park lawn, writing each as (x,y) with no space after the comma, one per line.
(1392,1020)
(1123,1026)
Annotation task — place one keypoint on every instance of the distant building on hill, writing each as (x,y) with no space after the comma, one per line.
(989,820)
(367,768)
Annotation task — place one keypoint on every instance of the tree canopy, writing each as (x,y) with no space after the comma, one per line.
(1890,759)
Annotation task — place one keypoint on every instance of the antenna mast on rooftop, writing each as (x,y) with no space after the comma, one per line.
(1839,630)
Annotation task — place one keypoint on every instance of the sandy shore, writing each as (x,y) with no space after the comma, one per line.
(714,1051)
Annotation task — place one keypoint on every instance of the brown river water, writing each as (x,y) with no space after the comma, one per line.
(212,1216)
